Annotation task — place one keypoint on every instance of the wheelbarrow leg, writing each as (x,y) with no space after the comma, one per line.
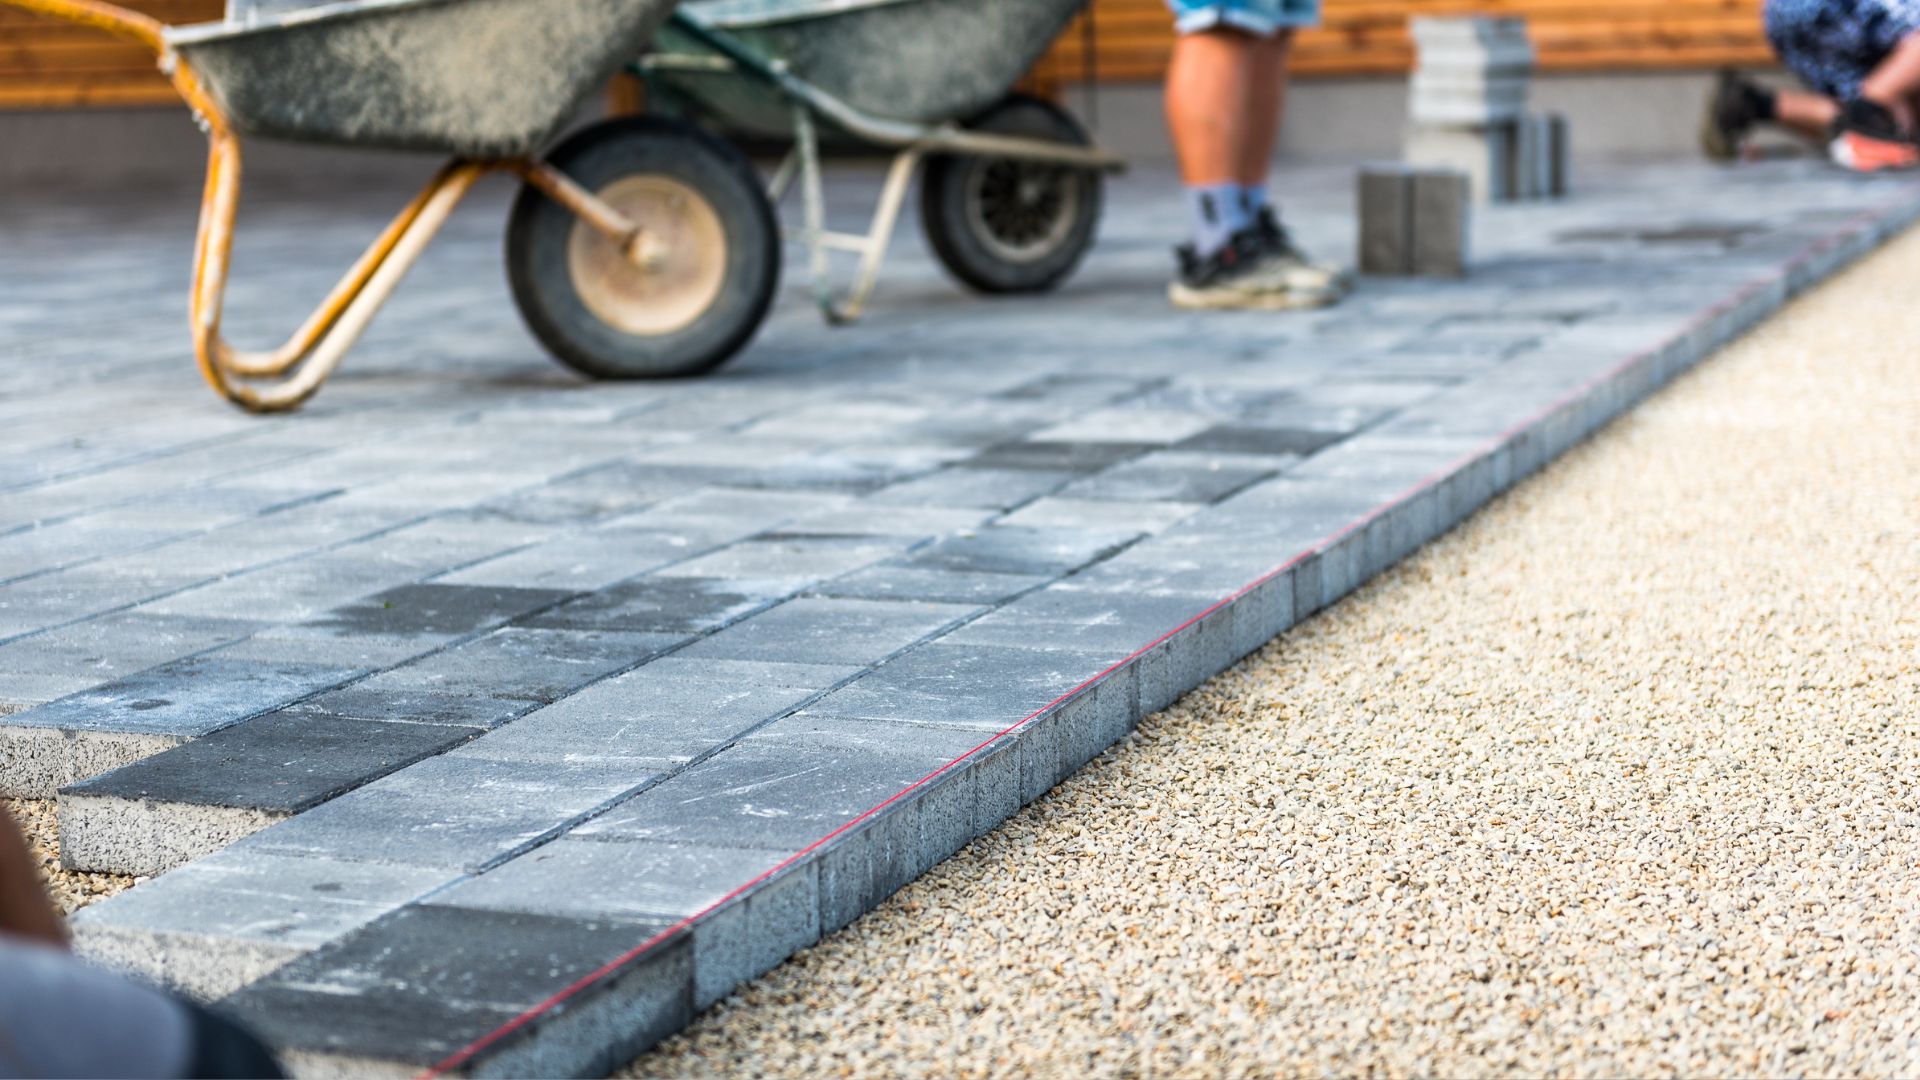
(813,198)
(885,218)
(871,247)
(319,345)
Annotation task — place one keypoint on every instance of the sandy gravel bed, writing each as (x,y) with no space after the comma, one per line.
(1617,779)
(71,891)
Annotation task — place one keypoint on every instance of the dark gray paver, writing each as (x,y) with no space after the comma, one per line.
(159,812)
(428,979)
(680,605)
(442,609)
(128,719)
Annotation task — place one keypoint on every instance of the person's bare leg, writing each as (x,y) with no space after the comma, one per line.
(25,910)
(1894,84)
(1266,108)
(1208,83)
(1811,115)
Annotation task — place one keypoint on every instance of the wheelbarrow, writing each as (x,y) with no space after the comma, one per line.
(638,247)
(1012,191)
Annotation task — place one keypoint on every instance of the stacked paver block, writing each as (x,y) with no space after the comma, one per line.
(1468,110)
(1413,221)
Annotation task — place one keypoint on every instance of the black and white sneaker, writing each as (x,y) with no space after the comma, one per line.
(1243,275)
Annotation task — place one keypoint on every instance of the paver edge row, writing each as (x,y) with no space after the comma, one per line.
(1819,260)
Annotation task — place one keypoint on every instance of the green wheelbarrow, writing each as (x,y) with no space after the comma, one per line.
(1012,190)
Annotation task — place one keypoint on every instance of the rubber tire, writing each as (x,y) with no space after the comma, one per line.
(539,230)
(950,229)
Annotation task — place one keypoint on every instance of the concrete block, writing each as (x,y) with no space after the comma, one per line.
(677,605)
(820,630)
(1386,220)
(1012,549)
(431,979)
(1483,154)
(153,815)
(779,798)
(890,582)
(1441,230)
(660,715)
(455,812)
(982,687)
(221,922)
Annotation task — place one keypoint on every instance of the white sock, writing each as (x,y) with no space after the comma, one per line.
(1215,213)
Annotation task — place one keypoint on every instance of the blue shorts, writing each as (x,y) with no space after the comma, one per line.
(1262,18)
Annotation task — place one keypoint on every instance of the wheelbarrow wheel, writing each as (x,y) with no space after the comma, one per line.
(705,291)
(1006,226)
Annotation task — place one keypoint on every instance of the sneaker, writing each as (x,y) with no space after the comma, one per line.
(1733,109)
(1281,258)
(1240,276)
(1866,139)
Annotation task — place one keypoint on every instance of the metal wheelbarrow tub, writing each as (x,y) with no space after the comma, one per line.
(1011,188)
(917,61)
(472,78)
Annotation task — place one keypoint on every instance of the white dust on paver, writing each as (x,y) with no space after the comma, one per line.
(1616,780)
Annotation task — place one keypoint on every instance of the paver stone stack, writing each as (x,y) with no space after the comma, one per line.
(1468,109)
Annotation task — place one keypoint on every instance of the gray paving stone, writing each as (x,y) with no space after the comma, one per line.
(123,721)
(1059,512)
(668,712)
(1111,623)
(429,979)
(419,706)
(1008,549)
(943,586)
(998,489)
(524,663)
(155,814)
(795,561)
(1056,456)
(985,687)
(823,630)
(221,922)
(675,605)
(455,811)
(1251,439)
(1173,478)
(777,798)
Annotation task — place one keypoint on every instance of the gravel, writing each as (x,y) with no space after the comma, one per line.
(71,891)
(1617,779)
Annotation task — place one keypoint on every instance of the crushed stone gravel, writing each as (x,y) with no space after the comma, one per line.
(1616,779)
(70,890)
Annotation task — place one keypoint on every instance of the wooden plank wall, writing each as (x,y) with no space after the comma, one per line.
(1369,37)
(48,64)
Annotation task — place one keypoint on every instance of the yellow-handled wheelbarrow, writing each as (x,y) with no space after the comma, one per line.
(638,248)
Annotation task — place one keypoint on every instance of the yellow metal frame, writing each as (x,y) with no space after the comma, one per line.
(282,379)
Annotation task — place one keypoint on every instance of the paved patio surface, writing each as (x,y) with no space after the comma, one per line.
(473,679)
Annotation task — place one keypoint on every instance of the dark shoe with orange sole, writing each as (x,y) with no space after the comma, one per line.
(1866,138)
